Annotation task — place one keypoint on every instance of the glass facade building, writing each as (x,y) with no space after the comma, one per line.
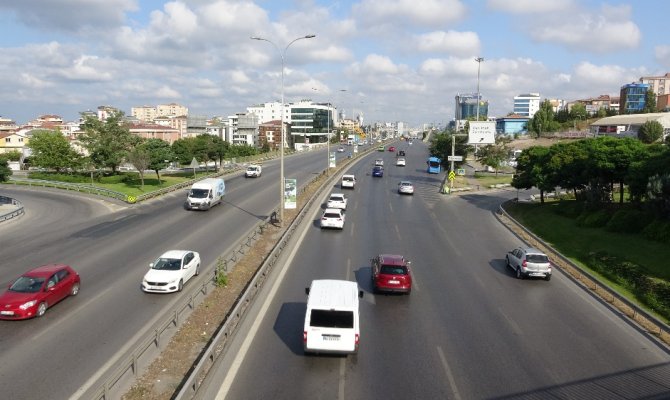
(466,106)
(633,98)
(310,125)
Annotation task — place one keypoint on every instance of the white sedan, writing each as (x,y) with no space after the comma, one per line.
(405,187)
(332,218)
(171,271)
(400,162)
(337,200)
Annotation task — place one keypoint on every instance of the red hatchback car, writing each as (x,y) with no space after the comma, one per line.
(391,273)
(392,148)
(36,290)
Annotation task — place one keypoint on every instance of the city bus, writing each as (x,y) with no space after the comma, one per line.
(433,165)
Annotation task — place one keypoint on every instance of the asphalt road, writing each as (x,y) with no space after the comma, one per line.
(111,246)
(469,330)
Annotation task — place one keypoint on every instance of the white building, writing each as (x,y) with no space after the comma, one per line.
(267,112)
(527,104)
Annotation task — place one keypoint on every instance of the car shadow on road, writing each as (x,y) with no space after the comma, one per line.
(289,325)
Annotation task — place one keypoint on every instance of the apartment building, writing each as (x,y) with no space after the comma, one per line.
(527,105)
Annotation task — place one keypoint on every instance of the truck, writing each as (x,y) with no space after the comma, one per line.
(253,171)
(205,194)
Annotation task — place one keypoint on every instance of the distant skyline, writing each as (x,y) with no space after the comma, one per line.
(398,60)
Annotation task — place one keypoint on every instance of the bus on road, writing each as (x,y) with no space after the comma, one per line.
(433,165)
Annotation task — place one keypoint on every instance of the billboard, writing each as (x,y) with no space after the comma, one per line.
(482,132)
(290,193)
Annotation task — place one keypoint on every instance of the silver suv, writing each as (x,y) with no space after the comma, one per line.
(529,261)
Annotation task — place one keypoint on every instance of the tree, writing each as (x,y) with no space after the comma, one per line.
(52,150)
(493,155)
(140,157)
(183,149)
(649,102)
(440,146)
(532,171)
(650,132)
(578,111)
(5,171)
(543,120)
(13,155)
(160,154)
(107,142)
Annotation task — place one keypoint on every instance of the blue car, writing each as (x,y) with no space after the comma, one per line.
(378,171)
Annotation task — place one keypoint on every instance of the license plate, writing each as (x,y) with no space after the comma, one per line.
(7,312)
(394,282)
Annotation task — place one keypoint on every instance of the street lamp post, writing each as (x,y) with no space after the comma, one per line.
(283,133)
(479,64)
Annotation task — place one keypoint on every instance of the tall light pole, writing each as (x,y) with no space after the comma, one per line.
(343,108)
(282,185)
(479,64)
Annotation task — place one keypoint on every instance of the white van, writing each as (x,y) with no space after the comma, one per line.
(331,320)
(348,181)
(206,193)
(253,171)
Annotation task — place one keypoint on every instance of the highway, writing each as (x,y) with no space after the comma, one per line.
(111,246)
(469,329)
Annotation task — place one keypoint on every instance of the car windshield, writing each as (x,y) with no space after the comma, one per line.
(537,258)
(199,193)
(393,270)
(27,284)
(167,264)
(348,178)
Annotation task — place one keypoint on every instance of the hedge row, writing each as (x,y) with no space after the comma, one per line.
(622,220)
(652,292)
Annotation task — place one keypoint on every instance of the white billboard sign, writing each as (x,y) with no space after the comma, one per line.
(482,132)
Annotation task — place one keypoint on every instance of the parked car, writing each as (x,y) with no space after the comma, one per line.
(348,181)
(171,271)
(337,200)
(405,187)
(400,162)
(392,149)
(378,171)
(31,294)
(332,218)
(391,273)
(529,261)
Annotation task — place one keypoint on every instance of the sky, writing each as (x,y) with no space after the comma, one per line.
(389,60)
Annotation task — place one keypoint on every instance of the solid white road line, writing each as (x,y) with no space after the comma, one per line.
(450,377)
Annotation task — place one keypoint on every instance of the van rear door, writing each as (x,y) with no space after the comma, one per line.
(331,331)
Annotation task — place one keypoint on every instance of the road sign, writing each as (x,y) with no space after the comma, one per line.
(460,171)
(452,175)
(455,158)
(482,132)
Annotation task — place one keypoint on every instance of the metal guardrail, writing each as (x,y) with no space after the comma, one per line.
(17,210)
(649,322)
(69,186)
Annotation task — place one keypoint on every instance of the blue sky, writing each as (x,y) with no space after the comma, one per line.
(397,59)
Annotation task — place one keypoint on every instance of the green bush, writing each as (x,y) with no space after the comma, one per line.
(569,209)
(593,219)
(658,230)
(654,293)
(52,176)
(628,220)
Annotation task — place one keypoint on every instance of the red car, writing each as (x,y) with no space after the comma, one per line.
(391,273)
(392,148)
(36,290)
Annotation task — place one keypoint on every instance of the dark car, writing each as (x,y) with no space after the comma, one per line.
(378,171)
(33,292)
(401,153)
(391,273)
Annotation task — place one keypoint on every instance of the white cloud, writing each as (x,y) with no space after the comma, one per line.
(86,68)
(450,42)
(662,54)
(377,64)
(529,6)
(607,31)
(403,12)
